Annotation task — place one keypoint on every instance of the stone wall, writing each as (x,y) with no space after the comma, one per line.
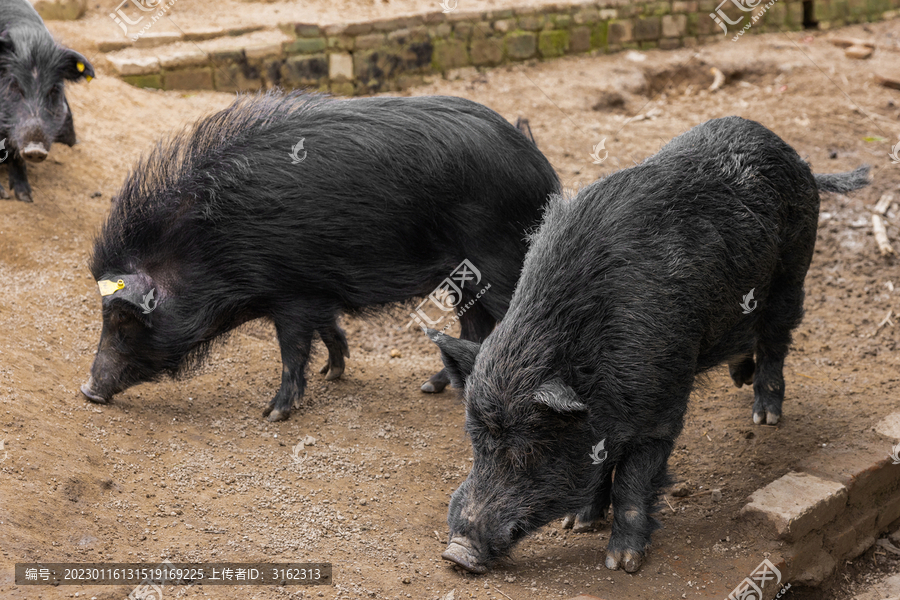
(393,54)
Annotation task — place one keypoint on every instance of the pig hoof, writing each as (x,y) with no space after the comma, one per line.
(462,556)
(586,526)
(334,373)
(4,195)
(23,196)
(758,418)
(436,383)
(772,418)
(429,387)
(577,525)
(324,369)
(632,561)
(277,415)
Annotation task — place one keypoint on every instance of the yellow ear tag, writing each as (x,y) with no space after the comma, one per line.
(88,77)
(108,287)
(80,67)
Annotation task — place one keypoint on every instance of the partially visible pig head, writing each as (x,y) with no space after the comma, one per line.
(531,456)
(34,112)
(130,349)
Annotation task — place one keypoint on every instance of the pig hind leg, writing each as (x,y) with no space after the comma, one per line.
(742,369)
(782,312)
(295,335)
(639,478)
(475,325)
(592,516)
(335,341)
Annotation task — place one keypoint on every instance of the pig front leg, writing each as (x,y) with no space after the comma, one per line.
(335,341)
(67,133)
(593,516)
(295,337)
(18,177)
(475,325)
(640,476)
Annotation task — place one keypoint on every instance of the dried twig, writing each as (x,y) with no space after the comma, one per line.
(887,546)
(499,590)
(883,204)
(666,498)
(718,79)
(886,320)
(884,246)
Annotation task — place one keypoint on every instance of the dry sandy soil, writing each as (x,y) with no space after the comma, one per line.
(189,471)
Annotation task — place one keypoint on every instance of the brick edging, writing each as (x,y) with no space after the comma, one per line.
(832,507)
(394,54)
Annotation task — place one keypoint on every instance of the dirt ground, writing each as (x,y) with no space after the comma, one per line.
(189,471)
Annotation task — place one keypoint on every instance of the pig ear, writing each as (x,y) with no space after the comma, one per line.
(75,66)
(458,356)
(138,297)
(559,397)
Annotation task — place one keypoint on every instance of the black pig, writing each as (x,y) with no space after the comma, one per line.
(34,112)
(628,292)
(236,219)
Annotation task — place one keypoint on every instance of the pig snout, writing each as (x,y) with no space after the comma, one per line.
(35,152)
(32,140)
(459,551)
(87,389)
(105,379)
